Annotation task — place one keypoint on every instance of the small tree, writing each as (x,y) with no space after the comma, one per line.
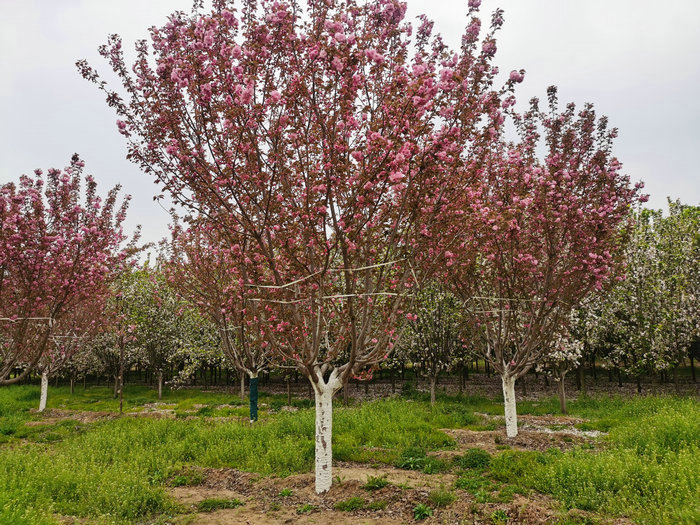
(538,236)
(202,270)
(321,136)
(59,248)
(154,310)
(564,355)
(70,336)
(433,338)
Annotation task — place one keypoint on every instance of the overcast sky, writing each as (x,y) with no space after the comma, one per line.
(638,61)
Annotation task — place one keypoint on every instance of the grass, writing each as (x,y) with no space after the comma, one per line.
(475,458)
(212,504)
(117,470)
(351,504)
(188,477)
(356,503)
(648,471)
(441,497)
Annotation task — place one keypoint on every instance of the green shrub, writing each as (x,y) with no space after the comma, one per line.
(422,511)
(375,483)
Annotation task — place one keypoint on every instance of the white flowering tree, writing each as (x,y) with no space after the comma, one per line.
(649,320)
(565,355)
(432,340)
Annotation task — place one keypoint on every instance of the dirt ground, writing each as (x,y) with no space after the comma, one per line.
(265,502)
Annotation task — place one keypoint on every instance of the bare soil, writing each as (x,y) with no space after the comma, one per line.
(51,416)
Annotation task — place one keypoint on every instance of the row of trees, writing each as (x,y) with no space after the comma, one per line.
(168,337)
(347,187)
(334,163)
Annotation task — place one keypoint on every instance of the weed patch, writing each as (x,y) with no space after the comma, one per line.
(212,504)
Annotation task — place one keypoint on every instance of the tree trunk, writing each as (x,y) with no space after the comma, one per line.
(433,380)
(692,368)
(639,385)
(18,377)
(253,387)
(578,378)
(44,390)
(562,393)
(581,379)
(324,431)
(676,383)
(509,404)
(242,385)
(160,384)
(346,393)
(116,385)
(121,378)
(289,392)
(595,373)
(619,378)
(72,385)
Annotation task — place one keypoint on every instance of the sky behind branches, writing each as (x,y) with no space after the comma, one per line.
(638,61)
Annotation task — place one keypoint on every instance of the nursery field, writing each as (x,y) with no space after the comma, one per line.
(194,458)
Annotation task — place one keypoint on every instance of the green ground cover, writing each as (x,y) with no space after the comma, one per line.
(117,470)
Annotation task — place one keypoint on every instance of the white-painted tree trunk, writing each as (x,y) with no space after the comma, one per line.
(433,382)
(44,390)
(509,403)
(324,432)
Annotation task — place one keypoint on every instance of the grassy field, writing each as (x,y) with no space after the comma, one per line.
(110,469)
